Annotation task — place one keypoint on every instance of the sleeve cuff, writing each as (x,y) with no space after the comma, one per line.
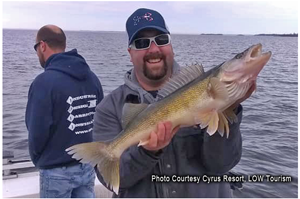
(152,154)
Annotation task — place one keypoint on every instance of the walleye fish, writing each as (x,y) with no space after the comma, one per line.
(190,98)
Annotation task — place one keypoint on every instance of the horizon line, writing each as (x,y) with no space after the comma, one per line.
(246,34)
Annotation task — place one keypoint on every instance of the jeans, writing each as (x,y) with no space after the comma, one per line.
(75,181)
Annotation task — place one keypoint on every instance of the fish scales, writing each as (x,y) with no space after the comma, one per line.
(175,106)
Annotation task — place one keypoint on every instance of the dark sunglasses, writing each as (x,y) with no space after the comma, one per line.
(37,44)
(145,42)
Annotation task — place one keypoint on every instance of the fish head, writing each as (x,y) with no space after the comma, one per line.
(245,66)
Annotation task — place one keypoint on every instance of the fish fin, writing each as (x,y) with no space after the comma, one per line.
(227,131)
(143,142)
(216,89)
(221,126)
(209,119)
(110,171)
(130,111)
(213,124)
(96,153)
(185,76)
(230,115)
(223,123)
(203,119)
(226,127)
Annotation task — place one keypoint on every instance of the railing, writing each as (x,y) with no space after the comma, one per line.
(12,168)
(7,169)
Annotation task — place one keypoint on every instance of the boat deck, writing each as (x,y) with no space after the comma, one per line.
(21,180)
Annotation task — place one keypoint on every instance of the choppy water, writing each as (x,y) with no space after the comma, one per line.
(269,126)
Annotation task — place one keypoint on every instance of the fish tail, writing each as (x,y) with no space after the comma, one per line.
(97,153)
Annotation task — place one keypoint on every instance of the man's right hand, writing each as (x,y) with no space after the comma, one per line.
(161,137)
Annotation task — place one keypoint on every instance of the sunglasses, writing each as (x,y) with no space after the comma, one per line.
(144,43)
(37,44)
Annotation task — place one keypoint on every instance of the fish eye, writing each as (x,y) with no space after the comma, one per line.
(238,56)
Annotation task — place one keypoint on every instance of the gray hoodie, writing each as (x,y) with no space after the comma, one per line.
(182,168)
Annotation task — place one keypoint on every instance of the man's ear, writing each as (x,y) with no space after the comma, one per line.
(129,49)
(43,46)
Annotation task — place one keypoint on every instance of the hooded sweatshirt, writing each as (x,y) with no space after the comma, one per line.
(60,109)
(179,170)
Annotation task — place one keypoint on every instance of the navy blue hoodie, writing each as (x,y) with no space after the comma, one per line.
(60,109)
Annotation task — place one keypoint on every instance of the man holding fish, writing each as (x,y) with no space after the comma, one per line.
(166,120)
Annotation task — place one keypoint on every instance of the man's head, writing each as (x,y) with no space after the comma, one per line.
(50,39)
(150,48)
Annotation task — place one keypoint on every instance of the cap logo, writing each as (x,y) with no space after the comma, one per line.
(146,16)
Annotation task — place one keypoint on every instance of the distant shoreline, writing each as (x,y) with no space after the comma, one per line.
(279,35)
(210,34)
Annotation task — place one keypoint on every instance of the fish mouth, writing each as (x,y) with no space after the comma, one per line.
(255,60)
(255,54)
(256,51)
(247,65)
(251,58)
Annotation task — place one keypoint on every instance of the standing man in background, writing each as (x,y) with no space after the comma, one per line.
(60,110)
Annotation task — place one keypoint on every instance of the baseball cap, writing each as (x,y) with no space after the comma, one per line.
(144,18)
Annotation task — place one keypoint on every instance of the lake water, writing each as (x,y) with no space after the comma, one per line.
(270,122)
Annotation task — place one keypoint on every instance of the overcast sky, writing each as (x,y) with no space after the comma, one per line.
(226,17)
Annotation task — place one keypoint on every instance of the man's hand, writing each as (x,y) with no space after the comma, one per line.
(161,137)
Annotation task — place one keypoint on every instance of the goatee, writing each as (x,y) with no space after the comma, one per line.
(157,75)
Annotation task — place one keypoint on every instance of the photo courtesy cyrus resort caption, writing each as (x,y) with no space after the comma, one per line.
(223,178)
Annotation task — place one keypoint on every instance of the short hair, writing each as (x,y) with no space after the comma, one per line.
(54,39)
